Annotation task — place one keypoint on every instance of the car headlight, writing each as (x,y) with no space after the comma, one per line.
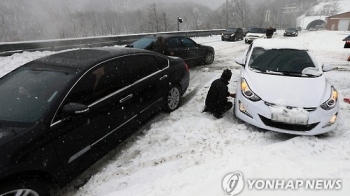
(247,93)
(332,101)
(232,35)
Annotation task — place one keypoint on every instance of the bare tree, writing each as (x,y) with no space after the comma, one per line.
(153,20)
(165,21)
(140,25)
(57,17)
(241,11)
(76,24)
(195,17)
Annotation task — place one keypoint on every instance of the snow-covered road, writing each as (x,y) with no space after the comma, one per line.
(188,153)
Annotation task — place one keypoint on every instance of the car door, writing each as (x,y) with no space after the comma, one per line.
(82,139)
(194,52)
(174,46)
(149,82)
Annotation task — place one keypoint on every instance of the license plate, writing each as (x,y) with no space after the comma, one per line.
(297,116)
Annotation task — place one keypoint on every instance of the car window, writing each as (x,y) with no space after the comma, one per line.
(173,42)
(27,92)
(143,42)
(99,82)
(280,60)
(162,62)
(140,66)
(187,42)
(258,30)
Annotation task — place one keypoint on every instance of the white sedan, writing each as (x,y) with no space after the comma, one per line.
(283,89)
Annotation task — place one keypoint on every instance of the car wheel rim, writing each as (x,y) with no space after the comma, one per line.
(22,192)
(173,98)
(209,58)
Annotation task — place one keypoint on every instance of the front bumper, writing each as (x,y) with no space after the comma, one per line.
(252,38)
(227,37)
(289,34)
(259,114)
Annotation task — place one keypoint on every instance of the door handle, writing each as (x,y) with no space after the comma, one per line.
(163,77)
(125,98)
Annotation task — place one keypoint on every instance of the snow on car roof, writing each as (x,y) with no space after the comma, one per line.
(269,44)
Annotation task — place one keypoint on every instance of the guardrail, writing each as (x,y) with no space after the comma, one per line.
(9,48)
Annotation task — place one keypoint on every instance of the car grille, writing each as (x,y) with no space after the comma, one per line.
(290,127)
(309,109)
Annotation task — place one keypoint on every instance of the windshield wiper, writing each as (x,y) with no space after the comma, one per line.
(257,70)
(274,72)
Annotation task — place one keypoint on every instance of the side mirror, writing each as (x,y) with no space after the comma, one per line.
(240,61)
(327,67)
(75,109)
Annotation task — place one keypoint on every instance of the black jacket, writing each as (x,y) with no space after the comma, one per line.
(159,47)
(269,32)
(217,94)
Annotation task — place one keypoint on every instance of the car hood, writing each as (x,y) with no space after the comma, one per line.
(8,132)
(287,90)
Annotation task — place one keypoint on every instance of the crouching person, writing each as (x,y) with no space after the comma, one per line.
(216,101)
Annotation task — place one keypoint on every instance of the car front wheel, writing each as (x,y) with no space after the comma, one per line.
(172,99)
(209,58)
(25,187)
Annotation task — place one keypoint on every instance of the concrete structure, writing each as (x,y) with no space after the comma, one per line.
(307,22)
(339,22)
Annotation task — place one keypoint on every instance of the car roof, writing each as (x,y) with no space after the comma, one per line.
(165,36)
(279,44)
(84,58)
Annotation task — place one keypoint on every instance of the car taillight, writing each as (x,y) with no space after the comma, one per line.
(186,67)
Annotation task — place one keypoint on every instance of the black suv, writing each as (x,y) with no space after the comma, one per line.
(62,113)
(232,34)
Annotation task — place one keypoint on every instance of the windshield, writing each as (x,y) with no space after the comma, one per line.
(284,61)
(258,30)
(27,93)
(231,30)
(291,29)
(143,42)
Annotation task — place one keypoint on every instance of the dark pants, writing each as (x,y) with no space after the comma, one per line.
(218,111)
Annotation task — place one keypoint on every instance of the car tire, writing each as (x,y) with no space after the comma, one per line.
(209,58)
(25,186)
(172,99)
